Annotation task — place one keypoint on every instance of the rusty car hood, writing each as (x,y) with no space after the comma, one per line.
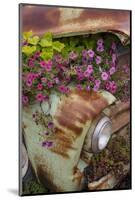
(65,21)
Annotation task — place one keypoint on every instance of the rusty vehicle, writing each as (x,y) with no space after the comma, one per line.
(85,121)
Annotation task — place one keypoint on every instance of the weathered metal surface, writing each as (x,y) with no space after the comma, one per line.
(57,167)
(75,21)
(107,182)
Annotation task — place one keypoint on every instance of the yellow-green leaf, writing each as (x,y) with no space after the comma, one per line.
(27,35)
(58,46)
(28,50)
(34,40)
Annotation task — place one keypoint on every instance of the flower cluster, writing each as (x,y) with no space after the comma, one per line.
(90,69)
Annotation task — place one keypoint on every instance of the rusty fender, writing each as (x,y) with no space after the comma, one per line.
(75,21)
(60,167)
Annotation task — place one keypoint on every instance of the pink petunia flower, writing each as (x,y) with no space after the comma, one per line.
(97,82)
(113,87)
(91,53)
(96,88)
(100,42)
(98,60)
(29,82)
(40,97)
(104,76)
(90,69)
(39,86)
(44,80)
(112,70)
(73,55)
(100,48)
(50,84)
(25,99)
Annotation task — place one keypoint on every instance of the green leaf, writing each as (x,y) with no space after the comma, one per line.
(27,35)
(34,40)
(46,40)
(58,46)
(28,50)
(47,53)
(45,43)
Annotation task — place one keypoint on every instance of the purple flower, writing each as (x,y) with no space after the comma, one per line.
(36,55)
(80,76)
(113,45)
(29,82)
(50,84)
(40,97)
(31,62)
(100,42)
(73,55)
(91,53)
(98,60)
(90,69)
(46,65)
(79,86)
(113,87)
(84,53)
(97,82)
(63,89)
(50,125)
(104,76)
(96,88)
(58,58)
(112,70)
(100,48)
(47,144)
(107,85)
(86,73)
(113,57)
(56,79)
(25,99)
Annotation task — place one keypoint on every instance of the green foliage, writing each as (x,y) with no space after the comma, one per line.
(27,35)
(58,46)
(28,50)
(33,40)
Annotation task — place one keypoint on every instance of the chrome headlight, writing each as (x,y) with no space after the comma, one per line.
(101,134)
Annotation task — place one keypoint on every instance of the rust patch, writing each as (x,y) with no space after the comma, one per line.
(46,179)
(77,175)
(39,17)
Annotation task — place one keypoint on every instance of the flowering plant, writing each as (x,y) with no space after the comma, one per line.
(52,65)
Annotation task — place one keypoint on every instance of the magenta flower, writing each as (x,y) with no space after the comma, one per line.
(46,65)
(104,76)
(44,80)
(100,42)
(56,79)
(39,86)
(107,85)
(96,88)
(86,73)
(47,144)
(40,97)
(25,99)
(113,57)
(79,86)
(90,69)
(36,55)
(112,70)
(50,84)
(63,89)
(113,87)
(50,125)
(91,53)
(97,82)
(98,60)
(29,82)
(100,48)
(42,64)
(73,55)
(31,62)
(113,45)
(84,53)
(80,76)
(58,58)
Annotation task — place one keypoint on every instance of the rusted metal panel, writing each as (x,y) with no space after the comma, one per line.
(55,167)
(75,21)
